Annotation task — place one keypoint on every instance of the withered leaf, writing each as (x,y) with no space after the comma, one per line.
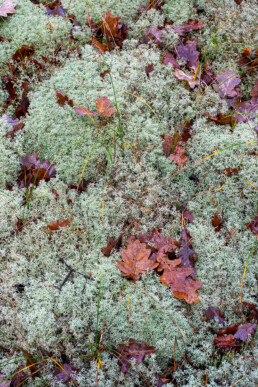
(135,260)
(22,108)
(23,52)
(216,222)
(226,343)
(222,119)
(66,374)
(15,124)
(149,69)
(55,9)
(55,225)
(134,350)
(82,187)
(160,242)
(193,25)
(112,244)
(62,98)
(7,7)
(245,330)
(191,79)
(187,215)
(155,33)
(113,29)
(169,58)
(101,47)
(179,156)
(246,62)
(251,311)
(103,106)
(168,144)
(253,225)
(34,170)
(213,313)
(225,84)
(182,285)
(187,253)
(82,111)
(231,171)
(248,107)
(31,362)
(155,4)
(189,53)
(9,86)
(19,377)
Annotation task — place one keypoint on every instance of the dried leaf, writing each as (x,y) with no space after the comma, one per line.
(149,69)
(246,62)
(22,53)
(245,330)
(7,7)
(182,286)
(160,242)
(187,253)
(66,374)
(225,84)
(193,25)
(134,350)
(190,79)
(187,215)
(189,53)
(179,156)
(62,98)
(168,144)
(135,260)
(213,313)
(15,124)
(103,106)
(231,171)
(221,119)
(82,111)
(82,187)
(55,225)
(155,33)
(101,47)
(22,108)
(55,9)
(112,244)
(226,343)
(251,311)
(216,222)
(18,379)
(113,29)
(169,58)
(34,170)
(253,225)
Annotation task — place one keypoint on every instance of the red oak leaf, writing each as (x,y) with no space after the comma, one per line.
(189,53)
(169,58)
(103,106)
(179,156)
(245,330)
(62,98)
(7,7)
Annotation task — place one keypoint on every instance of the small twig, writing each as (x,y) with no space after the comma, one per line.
(71,270)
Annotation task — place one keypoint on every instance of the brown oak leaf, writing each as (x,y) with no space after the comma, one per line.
(135,260)
(179,156)
(134,350)
(113,29)
(169,58)
(55,225)
(34,170)
(22,53)
(226,343)
(112,244)
(222,119)
(103,106)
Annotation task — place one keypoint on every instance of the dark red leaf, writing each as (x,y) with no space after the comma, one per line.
(55,225)
(222,119)
(34,170)
(189,53)
(134,350)
(169,58)
(231,171)
(149,69)
(82,187)
(112,244)
(251,311)
(187,253)
(232,329)
(187,215)
(62,98)
(216,222)
(22,53)
(55,9)
(226,343)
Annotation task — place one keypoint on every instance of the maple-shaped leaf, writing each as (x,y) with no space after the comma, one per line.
(189,53)
(222,119)
(179,156)
(135,260)
(66,374)
(23,52)
(55,9)
(216,222)
(112,244)
(213,313)
(62,98)
(169,58)
(7,7)
(225,84)
(182,286)
(138,351)
(55,225)
(245,330)
(34,170)
(187,253)
(226,343)
(253,225)
(103,106)
(191,79)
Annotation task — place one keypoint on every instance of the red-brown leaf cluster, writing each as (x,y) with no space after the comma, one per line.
(55,225)
(155,251)
(103,107)
(230,338)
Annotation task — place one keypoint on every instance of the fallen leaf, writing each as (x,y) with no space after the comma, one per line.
(226,343)
(62,98)
(245,330)
(187,215)
(103,106)
(190,79)
(168,144)
(213,313)
(159,241)
(22,108)
(253,225)
(82,111)
(55,225)
(155,33)
(22,53)
(134,350)
(221,119)
(225,84)
(66,374)
(182,285)
(34,170)
(179,156)
(55,9)
(188,52)
(251,311)
(246,62)
(82,187)
(216,222)
(238,2)
(112,244)
(7,7)
(187,253)
(135,260)
(15,124)
(19,377)
(169,58)
(149,69)
(101,47)
(113,29)
(231,171)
